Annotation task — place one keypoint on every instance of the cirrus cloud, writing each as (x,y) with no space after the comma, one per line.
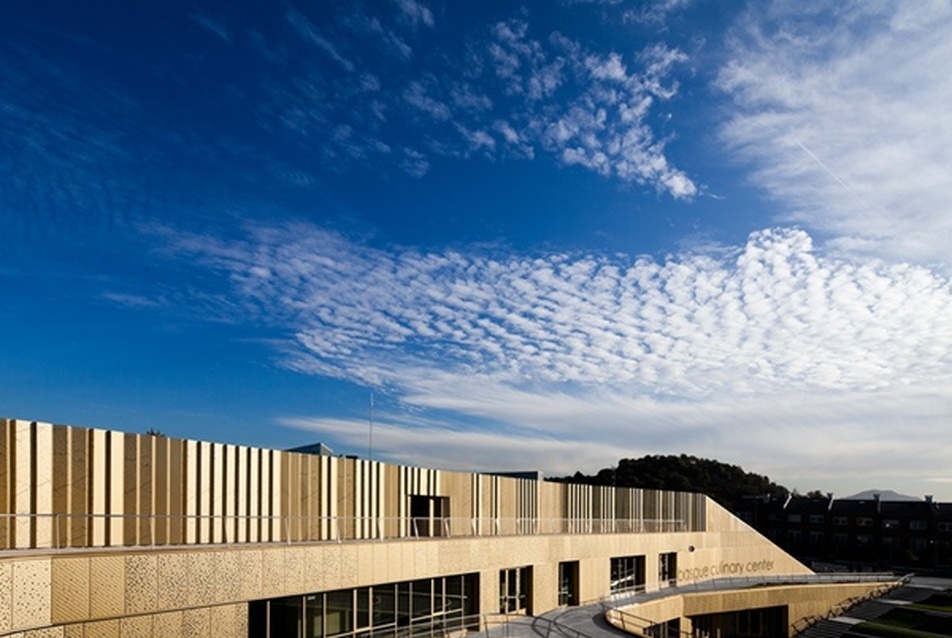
(847,124)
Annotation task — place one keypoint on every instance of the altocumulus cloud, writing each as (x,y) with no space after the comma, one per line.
(771,339)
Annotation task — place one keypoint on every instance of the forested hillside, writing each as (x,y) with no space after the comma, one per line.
(726,484)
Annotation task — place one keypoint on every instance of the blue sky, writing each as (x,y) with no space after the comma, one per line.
(545,235)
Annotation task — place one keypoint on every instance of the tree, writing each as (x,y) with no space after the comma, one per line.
(726,484)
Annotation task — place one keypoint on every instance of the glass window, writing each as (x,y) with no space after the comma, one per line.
(841,521)
(627,573)
(285,616)
(568,583)
(422,593)
(515,590)
(667,567)
(363,607)
(454,593)
(314,616)
(385,611)
(920,525)
(339,613)
(437,605)
(403,604)
(817,519)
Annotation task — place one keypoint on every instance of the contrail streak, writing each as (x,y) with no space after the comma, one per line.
(834,175)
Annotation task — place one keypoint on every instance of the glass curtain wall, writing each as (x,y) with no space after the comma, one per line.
(397,610)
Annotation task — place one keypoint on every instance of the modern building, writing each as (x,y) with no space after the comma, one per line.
(113,534)
(875,530)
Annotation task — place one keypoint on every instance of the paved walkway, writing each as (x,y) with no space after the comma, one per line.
(917,590)
(588,621)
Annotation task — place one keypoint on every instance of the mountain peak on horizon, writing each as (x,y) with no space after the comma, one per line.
(884,495)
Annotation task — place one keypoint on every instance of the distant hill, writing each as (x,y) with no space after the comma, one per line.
(884,495)
(726,484)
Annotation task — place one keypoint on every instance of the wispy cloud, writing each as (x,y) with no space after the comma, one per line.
(216,28)
(416,12)
(311,34)
(846,124)
(131,300)
(769,342)
(654,12)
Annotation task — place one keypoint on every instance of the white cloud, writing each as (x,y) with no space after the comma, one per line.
(413,163)
(654,12)
(417,12)
(843,112)
(307,31)
(589,109)
(213,26)
(500,90)
(132,301)
(417,96)
(821,436)
(737,356)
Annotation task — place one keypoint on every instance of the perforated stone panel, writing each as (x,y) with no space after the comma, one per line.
(172,578)
(196,623)
(201,579)
(6,596)
(295,563)
(107,578)
(103,629)
(229,620)
(136,627)
(47,632)
(70,590)
(250,566)
(228,576)
(272,573)
(31,593)
(168,624)
(141,584)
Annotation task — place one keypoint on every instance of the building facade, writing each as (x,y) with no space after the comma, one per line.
(113,534)
(915,535)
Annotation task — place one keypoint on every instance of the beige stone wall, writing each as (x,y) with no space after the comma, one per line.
(732,549)
(159,587)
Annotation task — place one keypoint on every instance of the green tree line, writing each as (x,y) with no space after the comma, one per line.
(726,484)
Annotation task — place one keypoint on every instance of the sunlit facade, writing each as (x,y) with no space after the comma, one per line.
(105,533)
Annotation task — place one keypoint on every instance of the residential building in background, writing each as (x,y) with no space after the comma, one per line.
(871,531)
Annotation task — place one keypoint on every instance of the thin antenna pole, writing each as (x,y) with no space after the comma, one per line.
(371,443)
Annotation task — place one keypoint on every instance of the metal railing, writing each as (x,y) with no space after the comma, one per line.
(644,626)
(19,531)
(478,625)
(614,604)
(841,608)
